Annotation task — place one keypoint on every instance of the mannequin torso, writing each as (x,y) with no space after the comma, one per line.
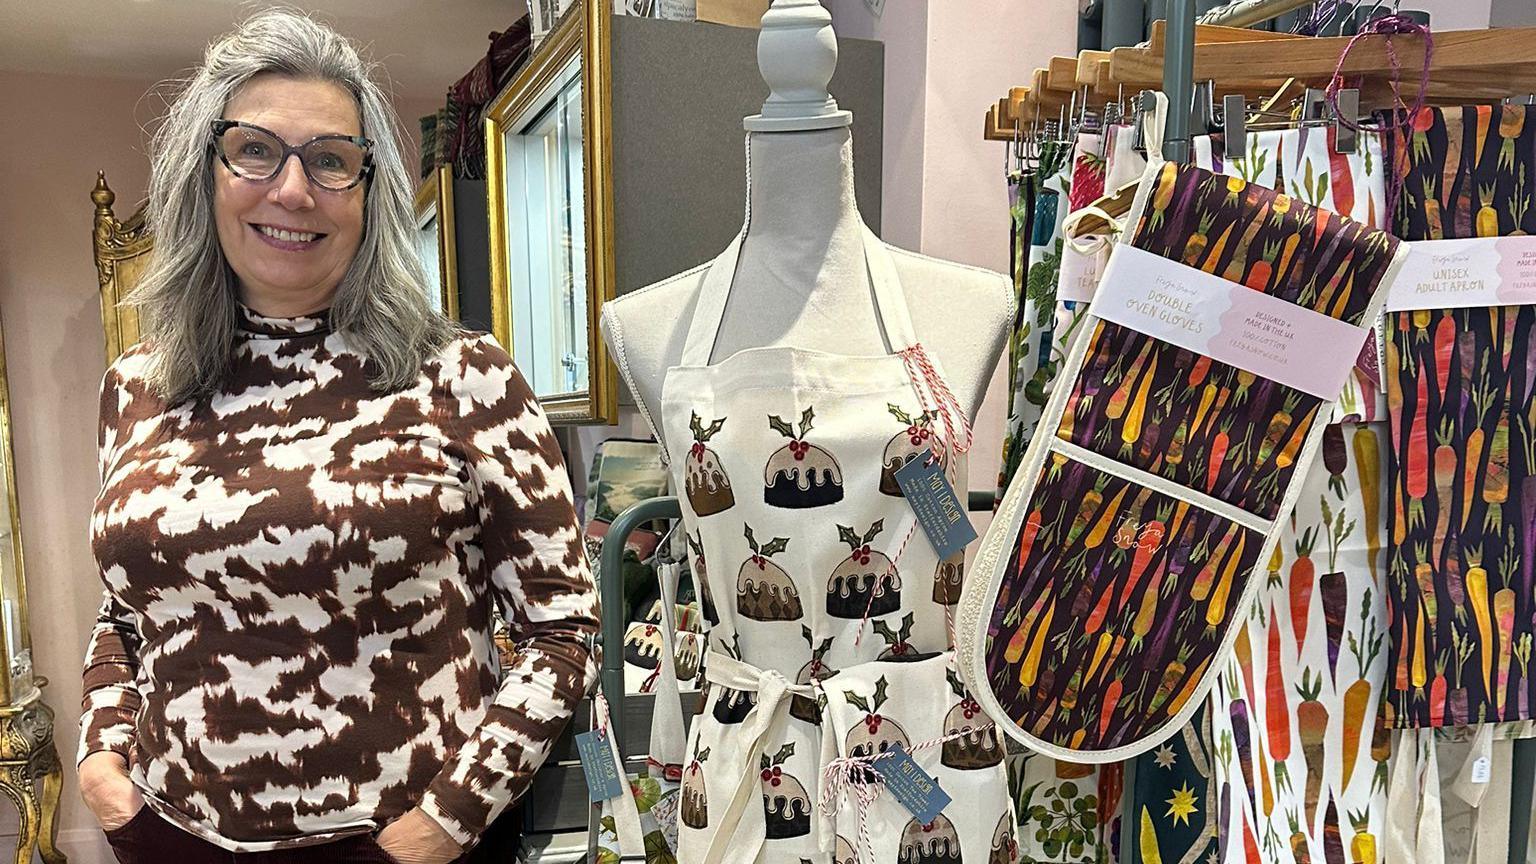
(802,281)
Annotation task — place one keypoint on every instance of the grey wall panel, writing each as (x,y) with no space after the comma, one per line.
(472,243)
(680,92)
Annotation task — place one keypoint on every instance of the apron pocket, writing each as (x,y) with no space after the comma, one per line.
(874,707)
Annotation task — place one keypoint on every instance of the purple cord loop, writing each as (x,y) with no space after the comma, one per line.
(1403,114)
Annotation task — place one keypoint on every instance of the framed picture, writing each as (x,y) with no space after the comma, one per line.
(435,240)
(550,203)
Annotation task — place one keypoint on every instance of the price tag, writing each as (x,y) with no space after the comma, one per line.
(938,508)
(1482,770)
(604,780)
(910,785)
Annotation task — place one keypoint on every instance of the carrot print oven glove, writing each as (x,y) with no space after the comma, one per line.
(1124,549)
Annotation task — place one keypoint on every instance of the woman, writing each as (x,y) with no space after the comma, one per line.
(313,491)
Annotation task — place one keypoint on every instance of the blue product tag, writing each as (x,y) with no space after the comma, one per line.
(910,785)
(939,510)
(604,780)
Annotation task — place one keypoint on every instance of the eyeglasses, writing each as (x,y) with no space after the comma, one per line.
(333,162)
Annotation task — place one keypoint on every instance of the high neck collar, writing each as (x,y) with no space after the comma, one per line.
(253,323)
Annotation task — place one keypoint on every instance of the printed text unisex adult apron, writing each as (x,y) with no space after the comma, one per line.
(785,459)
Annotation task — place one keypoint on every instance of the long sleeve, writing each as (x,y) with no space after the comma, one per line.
(111,697)
(538,573)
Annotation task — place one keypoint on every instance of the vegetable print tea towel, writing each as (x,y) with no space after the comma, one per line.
(1124,548)
(1461,389)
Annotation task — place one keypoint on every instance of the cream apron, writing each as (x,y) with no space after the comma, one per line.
(814,572)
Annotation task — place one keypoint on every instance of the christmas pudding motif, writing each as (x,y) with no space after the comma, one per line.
(898,643)
(733,706)
(690,652)
(694,810)
(643,646)
(1005,849)
(934,843)
(764,591)
(844,853)
(866,584)
(701,580)
(704,481)
(916,440)
(874,734)
(949,579)
(800,474)
(970,738)
(786,806)
(804,708)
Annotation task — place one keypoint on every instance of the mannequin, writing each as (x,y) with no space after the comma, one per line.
(802,281)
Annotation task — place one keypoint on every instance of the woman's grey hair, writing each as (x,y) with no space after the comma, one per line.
(187,299)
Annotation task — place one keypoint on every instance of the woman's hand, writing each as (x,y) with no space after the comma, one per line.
(107,791)
(416,838)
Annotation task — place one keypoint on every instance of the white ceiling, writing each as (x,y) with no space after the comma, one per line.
(425,45)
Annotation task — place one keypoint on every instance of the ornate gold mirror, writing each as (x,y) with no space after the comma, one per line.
(550,197)
(435,240)
(27,753)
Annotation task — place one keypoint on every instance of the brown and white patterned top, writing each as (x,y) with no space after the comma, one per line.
(296,640)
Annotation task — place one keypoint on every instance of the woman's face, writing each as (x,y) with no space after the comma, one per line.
(276,276)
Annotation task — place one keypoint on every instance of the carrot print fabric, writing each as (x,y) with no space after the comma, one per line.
(1194,421)
(1124,552)
(1463,469)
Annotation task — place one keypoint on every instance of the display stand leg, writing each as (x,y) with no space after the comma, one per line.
(1523,773)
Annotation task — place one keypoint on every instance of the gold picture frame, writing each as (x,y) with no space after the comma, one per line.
(577,51)
(434,202)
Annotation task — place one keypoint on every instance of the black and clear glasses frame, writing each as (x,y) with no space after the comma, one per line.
(219,127)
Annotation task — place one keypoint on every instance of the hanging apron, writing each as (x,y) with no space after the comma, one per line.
(814,567)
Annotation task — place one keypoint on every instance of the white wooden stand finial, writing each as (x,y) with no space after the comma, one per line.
(797,52)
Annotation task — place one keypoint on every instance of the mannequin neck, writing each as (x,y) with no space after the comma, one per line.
(801,186)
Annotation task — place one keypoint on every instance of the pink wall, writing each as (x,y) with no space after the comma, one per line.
(55,358)
(904,30)
(944,192)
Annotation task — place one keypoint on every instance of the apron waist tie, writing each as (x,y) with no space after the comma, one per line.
(771,687)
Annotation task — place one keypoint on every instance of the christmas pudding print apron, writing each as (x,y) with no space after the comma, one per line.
(812,568)
(1123,551)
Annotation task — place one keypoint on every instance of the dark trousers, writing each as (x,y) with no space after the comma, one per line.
(149,839)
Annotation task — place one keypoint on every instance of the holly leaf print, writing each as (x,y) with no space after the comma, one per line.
(777,424)
(774,547)
(751,541)
(857,701)
(954,683)
(701,756)
(784,753)
(805,633)
(900,415)
(874,530)
(805,421)
(881,686)
(848,537)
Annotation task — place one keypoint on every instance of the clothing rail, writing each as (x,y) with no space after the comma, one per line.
(611,561)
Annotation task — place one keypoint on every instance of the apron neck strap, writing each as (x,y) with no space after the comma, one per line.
(709,311)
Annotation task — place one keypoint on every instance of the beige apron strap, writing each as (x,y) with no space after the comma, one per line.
(1484,783)
(771,688)
(1413,800)
(626,813)
(668,734)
